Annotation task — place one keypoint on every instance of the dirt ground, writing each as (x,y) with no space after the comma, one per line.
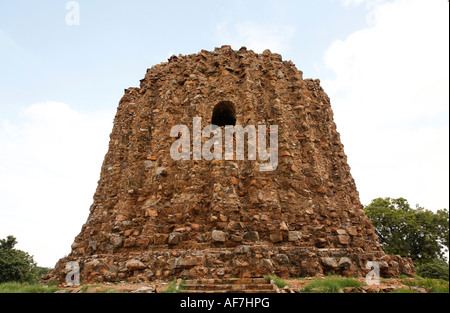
(293,286)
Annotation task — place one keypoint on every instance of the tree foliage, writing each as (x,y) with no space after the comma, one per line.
(16,265)
(436,269)
(416,233)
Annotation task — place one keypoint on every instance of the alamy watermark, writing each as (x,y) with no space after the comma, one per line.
(373,277)
(73,275)
(73,16)
(256,143)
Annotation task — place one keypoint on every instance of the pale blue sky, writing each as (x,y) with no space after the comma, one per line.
(384,64)
(42,58)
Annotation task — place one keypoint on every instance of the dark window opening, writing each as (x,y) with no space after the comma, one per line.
(224,114)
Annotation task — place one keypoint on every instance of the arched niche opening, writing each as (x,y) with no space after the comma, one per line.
(224,114)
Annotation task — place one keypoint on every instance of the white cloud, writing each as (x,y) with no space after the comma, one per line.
(352,2)
(258,37)
(369,3)
(49,167)
(391,98)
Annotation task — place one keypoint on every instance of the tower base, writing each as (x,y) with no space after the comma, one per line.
(242,261)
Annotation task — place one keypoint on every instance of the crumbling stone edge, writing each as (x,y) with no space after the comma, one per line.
(242,261)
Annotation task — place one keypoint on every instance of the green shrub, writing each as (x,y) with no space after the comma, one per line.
(437,269)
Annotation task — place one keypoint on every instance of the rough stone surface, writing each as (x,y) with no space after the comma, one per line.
(251,236)
(294,235)
(174,239)
(218,236)
(345,262)
(184,219)
(330,262)
(134,265)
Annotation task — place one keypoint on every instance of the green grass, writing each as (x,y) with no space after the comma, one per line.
(181,286)
(279,282)
(112,290)
(404,291)
(13,287)
(85,288)
(102,289)
(173,287)
(433,285)
(403,276)
(52,283)
(330,284)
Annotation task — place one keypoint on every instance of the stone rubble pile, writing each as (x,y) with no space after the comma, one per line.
(154,217)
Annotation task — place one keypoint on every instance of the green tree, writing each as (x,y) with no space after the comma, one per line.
(416,233)
(436,269)
(16,265)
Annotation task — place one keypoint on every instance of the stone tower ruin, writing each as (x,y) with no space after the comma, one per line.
(157,218)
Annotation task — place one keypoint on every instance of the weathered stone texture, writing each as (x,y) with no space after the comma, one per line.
(156,217)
